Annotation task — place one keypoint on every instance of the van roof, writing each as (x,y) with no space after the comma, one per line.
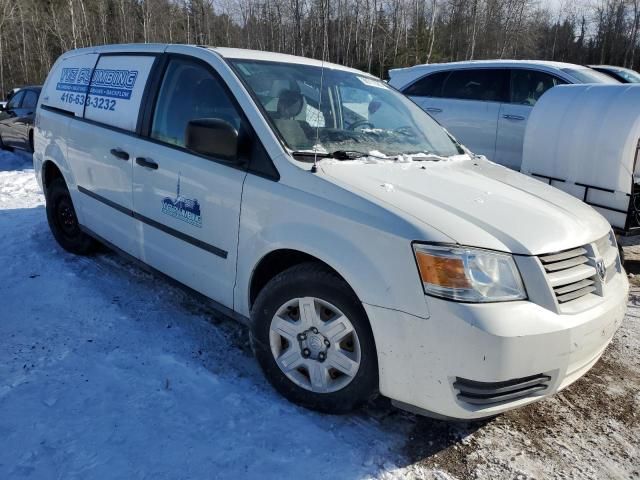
(225,52)
(245,54)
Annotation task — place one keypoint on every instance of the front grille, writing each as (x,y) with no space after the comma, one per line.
(570,273)
(487,393)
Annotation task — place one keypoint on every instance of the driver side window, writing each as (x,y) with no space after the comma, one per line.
(189,91)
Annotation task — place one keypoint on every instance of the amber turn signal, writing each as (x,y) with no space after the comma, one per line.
(441,270)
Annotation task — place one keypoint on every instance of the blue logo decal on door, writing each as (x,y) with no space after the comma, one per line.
(185,209)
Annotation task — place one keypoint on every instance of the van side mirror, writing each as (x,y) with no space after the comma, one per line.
(212,137)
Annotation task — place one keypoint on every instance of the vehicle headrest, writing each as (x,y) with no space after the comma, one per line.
(290,103)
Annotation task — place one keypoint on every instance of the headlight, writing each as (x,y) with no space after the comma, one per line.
(468,274)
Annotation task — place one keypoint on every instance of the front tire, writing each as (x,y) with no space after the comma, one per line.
(63,221)
(313,341)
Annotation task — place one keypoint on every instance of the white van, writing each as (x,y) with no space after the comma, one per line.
(368,252)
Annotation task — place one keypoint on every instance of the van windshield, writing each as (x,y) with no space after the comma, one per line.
(335,110)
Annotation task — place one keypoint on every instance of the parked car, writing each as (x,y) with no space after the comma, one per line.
(16,122)
(485,104)
(621,74)
(12,92)
(367,251)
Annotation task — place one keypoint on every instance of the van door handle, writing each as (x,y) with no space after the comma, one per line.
(119,153)
(144,162)
(434,110)
(513,117)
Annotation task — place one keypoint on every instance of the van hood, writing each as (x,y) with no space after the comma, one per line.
(475,202)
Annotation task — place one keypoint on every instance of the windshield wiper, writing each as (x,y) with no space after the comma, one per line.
(338,154)
(310,153)
(350,155)
(425,155)
(417,156)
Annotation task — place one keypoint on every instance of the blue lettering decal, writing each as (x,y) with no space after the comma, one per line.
(104,82)
(185,209)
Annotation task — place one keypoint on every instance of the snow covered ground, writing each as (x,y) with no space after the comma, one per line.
(107,371)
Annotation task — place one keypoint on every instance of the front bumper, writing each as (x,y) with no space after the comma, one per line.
(420,359)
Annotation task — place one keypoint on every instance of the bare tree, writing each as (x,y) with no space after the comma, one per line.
(372,35)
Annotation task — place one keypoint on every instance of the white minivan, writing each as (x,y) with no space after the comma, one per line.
(485,104)
(366,249)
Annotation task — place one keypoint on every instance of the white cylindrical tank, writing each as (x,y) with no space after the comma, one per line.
(583,139)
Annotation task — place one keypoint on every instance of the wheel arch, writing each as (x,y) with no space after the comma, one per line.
(50,172)
(277,261)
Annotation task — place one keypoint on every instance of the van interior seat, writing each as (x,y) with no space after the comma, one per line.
(290,104)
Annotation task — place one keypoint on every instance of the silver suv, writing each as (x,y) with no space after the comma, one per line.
(485,104)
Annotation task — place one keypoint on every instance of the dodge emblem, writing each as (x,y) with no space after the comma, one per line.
(601,269)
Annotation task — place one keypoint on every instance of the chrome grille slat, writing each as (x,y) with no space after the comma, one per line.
(572,287)
(575,295)
(556,257)
(566,264)
(575,274)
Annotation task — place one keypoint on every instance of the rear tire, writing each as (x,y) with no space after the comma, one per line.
(324,359)
(63,221)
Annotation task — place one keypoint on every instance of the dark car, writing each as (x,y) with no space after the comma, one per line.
(16,120)
(624,75)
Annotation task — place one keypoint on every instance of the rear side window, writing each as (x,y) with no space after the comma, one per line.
(30,99)
(189,91)
(527,86)
(67,83)
(116,89)
(15,100)
(428,86)
(486,84)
